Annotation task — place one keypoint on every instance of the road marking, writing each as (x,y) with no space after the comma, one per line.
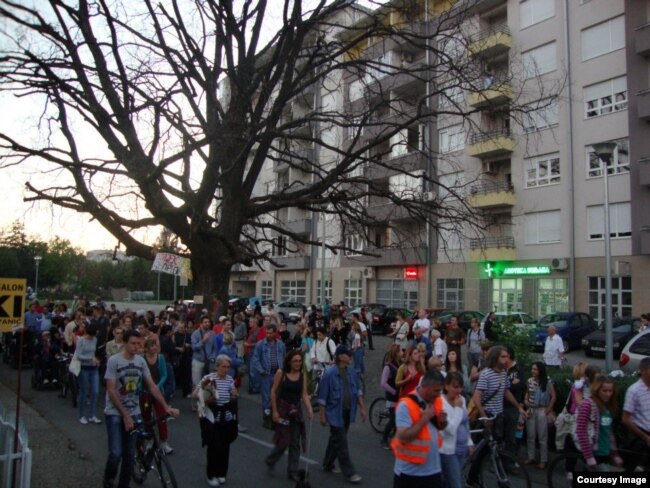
(270,446)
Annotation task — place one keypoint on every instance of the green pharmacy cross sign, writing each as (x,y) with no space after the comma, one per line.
(497,269)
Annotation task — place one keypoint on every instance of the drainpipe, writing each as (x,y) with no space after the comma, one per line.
(572,209)
(428,138)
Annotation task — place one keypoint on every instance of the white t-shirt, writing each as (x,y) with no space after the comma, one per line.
(552,350)
(422,324)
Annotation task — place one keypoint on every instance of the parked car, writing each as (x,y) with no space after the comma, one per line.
(383,318)
(285,309)
(369,306)
(517,318)
(634,351)
(571,327)
(622,331)
(464,317)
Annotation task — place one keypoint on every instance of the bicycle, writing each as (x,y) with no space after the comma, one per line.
(149,455)
(494,468)
(378,414)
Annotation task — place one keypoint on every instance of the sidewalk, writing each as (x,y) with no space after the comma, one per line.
(55,462)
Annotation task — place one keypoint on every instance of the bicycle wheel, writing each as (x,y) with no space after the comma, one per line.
(378,415)
(139,468)
(498,470)
(569,462)
(165,472)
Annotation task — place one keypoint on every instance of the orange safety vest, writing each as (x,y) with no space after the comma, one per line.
(417,450)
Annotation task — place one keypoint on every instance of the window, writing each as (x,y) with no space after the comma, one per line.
(280,246)
(451,293)
(620,220)
(267,290)
(328,291)
(619,163)
(539,60)
(605,97)
(450,96)
(353,292)
(534,11)
(541,115)
(603,38)
(355,129)
(507,294)
(452,46)
(543,227)
(542,170)
(293,291)
(621,296)
(406,141)
(552,295)
(452,138)
(356,90)
(354,244)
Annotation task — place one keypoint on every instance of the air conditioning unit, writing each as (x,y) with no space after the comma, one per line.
(369,273)
(560,264)
(490,167)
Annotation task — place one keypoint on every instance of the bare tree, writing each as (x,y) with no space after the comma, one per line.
(193,100)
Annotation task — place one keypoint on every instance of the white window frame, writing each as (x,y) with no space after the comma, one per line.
(451,139)
(620,221)
(328,291)
(353,292)
(355,244)
(546,115)
(618,164)
(532,12)
(544,227)
(612,30)
(266,290)
(531,60)
(293,291)
(451,293)
(621,296)
(552,295)
(613,99)
(539,170)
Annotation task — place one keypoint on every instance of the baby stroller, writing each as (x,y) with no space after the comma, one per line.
(68,381)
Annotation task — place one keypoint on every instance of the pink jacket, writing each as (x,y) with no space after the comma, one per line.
(587,427)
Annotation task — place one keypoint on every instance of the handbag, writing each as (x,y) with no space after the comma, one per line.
(472,409)
(564,424)
(75,366)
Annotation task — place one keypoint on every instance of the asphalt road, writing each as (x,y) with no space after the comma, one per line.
(72,455)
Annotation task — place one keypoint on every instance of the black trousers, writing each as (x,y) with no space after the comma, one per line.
(408,481)
(218,457)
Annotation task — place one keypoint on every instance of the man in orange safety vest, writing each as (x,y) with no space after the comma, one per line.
(418,417)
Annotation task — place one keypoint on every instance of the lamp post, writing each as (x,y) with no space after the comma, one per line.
(605,152)
(37,261)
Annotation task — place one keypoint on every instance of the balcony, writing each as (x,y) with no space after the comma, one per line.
(492,249)
(482,6)
(644,171)
(642,40)
(491,42)
(300,158)
(491,143)
(412,161)
(293,261)
(299,226)
(495,95)
(388,256)
(383,210)
(643,104)
(492,196)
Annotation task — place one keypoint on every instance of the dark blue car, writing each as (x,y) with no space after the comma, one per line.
(571,327)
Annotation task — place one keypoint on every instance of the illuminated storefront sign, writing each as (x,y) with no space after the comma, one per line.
(497,269)
(410,273)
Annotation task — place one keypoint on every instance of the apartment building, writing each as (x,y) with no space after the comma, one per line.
(532,176)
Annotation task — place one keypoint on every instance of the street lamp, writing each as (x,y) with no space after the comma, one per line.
(37,260)
(605,152)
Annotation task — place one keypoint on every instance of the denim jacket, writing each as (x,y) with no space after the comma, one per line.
(330,395)
(261,360)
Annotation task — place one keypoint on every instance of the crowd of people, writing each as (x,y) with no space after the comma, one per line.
(145,359)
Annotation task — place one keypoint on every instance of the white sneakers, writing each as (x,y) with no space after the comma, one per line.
(213,482)
(92,420)
(221,480)
(167,449)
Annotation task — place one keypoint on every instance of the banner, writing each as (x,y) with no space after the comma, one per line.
(172,264)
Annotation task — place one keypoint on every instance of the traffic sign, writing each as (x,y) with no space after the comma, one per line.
(12,302)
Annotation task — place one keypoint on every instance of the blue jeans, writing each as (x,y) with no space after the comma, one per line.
(266,382)
(121,447)
(88,381)
(452,465)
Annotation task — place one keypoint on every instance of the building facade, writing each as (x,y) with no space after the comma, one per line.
(581,68)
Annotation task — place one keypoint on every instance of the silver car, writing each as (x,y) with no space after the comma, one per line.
(634,351)
(285,309)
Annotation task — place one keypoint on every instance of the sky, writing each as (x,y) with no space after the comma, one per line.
(44,221)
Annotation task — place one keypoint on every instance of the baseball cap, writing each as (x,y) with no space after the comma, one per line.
(343,349)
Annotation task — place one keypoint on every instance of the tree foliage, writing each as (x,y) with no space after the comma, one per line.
(190,101)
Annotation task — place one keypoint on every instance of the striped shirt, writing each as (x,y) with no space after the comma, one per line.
(637,404)
(488,382)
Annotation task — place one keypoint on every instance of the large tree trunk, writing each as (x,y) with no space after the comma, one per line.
(210,274)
